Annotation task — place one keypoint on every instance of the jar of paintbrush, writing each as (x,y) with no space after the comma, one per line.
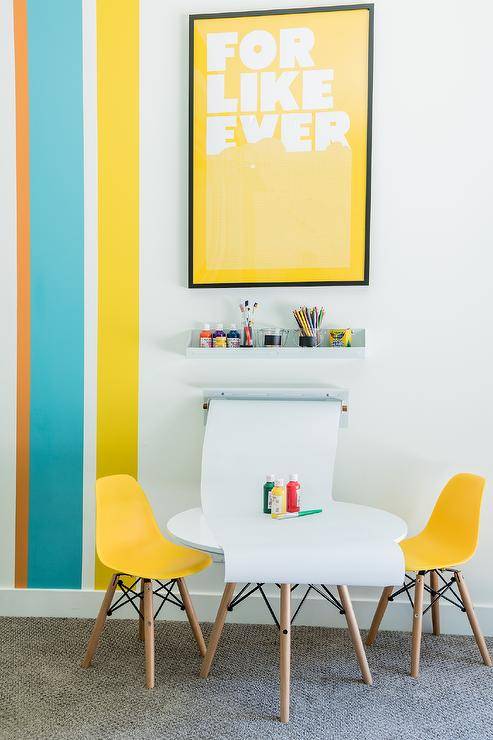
(309,321)
(247,320)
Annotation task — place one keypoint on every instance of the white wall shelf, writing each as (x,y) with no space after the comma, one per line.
(289,352)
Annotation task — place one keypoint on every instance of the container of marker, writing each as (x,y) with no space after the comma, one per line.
(267,497)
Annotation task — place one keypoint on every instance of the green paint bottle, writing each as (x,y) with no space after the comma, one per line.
(268,486)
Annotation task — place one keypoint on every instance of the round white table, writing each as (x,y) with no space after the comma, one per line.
(190,527)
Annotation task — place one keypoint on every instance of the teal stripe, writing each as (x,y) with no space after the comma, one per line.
(57,293)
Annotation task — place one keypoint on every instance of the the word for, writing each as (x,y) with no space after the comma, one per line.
(270,93)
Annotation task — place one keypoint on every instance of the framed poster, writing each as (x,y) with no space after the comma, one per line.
(280,147)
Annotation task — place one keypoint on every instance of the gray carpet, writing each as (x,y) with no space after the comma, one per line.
(45,694)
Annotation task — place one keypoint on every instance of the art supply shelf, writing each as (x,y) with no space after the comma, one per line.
(289,352)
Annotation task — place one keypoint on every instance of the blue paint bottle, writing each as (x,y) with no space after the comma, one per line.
(233,338)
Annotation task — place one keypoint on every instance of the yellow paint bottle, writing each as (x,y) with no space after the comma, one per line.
(278,498)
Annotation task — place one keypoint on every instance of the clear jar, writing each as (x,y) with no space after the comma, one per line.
(272,337)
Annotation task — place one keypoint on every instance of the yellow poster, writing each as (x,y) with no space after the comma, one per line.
(279,147)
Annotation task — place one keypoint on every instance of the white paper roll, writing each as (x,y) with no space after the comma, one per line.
(244,441)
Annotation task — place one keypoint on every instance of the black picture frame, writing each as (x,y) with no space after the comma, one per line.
(286,11)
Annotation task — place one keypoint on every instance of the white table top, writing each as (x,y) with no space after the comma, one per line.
(190,527)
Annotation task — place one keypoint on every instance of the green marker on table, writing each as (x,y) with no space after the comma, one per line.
(290,515)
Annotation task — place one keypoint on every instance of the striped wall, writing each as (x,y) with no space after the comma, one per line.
(118,208)
(72,67)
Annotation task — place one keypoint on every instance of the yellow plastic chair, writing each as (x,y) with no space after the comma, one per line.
(449,539)
(129,542)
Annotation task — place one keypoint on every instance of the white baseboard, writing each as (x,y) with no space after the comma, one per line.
(315,612)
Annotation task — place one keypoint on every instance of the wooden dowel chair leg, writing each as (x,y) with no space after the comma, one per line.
(417,623)
(141,619)
(192,617)
(99,623)
(435,607)
(378,616)
(473,621)
(217,629)
(355,634)
(285,649)
(149,633)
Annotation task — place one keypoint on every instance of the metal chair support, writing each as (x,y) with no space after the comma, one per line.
(251,588)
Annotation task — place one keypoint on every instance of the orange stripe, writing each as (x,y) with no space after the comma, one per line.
(23,293)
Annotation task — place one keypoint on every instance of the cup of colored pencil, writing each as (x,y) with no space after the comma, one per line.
(247,320)
(309,321)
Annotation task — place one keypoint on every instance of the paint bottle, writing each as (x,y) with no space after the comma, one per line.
(278,498)
(205,336)
(233,338)
(293,494)
(268,486)
(219,337)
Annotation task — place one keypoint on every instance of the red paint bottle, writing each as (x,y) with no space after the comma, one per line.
(293,494)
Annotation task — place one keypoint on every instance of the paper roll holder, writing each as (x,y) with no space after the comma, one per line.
(330,394)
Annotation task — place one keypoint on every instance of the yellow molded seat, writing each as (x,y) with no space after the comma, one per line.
(128,539)
(129,542)
(451,534)
(449,539)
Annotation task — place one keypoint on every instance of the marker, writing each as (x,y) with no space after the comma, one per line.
(298,513)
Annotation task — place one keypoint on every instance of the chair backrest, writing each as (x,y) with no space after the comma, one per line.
(123,515)
(456,514)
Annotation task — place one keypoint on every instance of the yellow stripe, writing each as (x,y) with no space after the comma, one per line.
(118,204)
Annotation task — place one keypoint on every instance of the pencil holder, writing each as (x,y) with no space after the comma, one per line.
(313,341)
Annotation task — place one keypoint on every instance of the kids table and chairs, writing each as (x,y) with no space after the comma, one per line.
(129,543)
(346,544)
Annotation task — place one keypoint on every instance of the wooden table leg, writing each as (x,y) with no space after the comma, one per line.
(149,633)
(99,623)
(192,617)
(378,616)
(417,623)
(435,607)
(466,600)
(285,652)
(355,634)
(217,629)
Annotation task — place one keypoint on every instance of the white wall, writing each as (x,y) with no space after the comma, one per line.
(422,401)
(8,297)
